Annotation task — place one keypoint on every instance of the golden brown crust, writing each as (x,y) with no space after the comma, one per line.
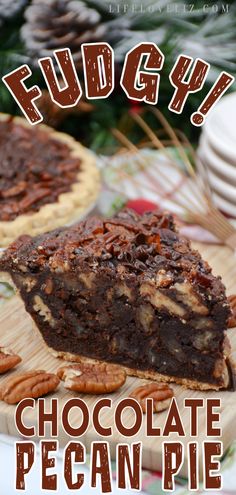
(69,207)
(149,375)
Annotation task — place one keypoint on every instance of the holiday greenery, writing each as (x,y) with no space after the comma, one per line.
(32,29)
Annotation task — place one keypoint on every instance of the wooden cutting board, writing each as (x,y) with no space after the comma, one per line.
(18,333)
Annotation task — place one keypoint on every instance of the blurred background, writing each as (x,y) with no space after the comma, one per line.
(152,176)
(33,29)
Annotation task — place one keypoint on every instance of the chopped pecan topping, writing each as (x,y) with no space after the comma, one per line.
(15,190)
(161,394)
(8,359)
(232,318)
(92,378)
(106,291)
(34,169)
(31,384)
(127,243)
(48,287)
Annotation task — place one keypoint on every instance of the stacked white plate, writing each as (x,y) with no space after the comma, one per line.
(217,151)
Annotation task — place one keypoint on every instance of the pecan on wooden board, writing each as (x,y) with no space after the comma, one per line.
(161,394)
(232,318)
(32,384)
(8,359)
(88,378)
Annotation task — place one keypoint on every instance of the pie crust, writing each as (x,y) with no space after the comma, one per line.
(126,290)
(70,206)
(148,375)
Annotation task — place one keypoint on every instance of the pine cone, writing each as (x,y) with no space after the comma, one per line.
(9,8)
(54,24)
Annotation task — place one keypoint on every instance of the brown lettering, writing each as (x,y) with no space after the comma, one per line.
(212,417)
(151,431)
(173,421)
(194,404)
(24,97)
(98,61)
(78,450)
(70,94)
(49,482)
(137,84)
(24,430)
(75,432)
(23,449)
(104,432)
(101,449)
(50,417)
(134,472)
(212,449)
(195,82)
(172,450)
(221,85)
(133,430)
(193,466)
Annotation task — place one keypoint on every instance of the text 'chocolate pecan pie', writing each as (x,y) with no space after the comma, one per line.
(47,179)
(127,290)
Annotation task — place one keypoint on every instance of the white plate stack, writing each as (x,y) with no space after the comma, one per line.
(217,151)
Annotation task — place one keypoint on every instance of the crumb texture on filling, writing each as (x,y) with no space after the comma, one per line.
(128,290)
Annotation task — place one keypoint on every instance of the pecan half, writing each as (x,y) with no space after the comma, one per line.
(31,384)
(161,394)
(232,318)
(8,359)
(15,190)
(91,378)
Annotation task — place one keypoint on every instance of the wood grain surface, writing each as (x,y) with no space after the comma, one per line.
(18,332)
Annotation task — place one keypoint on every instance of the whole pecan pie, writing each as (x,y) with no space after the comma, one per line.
(127,290)
(47,179)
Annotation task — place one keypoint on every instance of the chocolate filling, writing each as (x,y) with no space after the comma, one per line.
(126,290)
(34,169)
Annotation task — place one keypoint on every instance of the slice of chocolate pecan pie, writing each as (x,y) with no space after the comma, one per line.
(126,290)
(47,179)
